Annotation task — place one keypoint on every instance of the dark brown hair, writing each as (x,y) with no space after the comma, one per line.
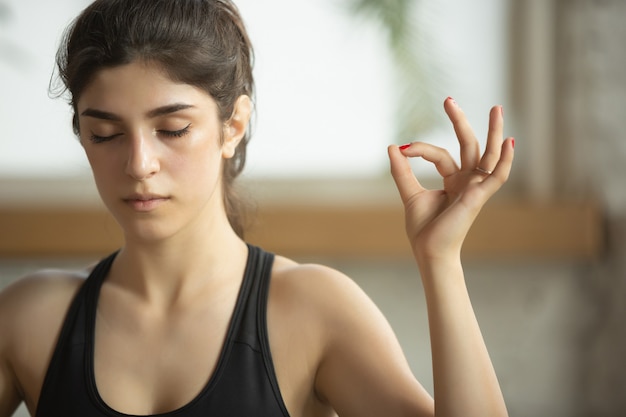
(198,42)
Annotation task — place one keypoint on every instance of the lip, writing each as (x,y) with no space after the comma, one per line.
(145,202)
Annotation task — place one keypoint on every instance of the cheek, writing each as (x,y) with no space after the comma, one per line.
(104,164)
(200,162)
(96,162)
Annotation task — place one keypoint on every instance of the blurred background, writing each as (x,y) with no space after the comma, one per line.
(338,80)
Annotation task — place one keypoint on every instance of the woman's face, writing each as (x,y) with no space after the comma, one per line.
(155,147)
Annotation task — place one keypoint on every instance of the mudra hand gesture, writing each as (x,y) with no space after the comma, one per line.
(437,221)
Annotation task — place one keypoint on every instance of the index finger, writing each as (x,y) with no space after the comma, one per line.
(402,174)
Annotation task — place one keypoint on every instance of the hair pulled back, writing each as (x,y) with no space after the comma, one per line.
(197,42)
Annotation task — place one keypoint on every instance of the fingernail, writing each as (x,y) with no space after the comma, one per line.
(403,147)
(513,143)
(502,111)
(453,100)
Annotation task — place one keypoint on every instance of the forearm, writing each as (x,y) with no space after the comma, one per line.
(465,382)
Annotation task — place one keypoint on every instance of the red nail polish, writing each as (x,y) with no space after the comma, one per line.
(403,147)
(513,143)
(451,99)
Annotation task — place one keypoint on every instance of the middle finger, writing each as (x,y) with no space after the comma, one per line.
(470,150)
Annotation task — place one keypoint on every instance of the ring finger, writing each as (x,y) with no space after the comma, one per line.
(491,156)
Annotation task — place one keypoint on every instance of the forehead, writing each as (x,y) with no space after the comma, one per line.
(138,86)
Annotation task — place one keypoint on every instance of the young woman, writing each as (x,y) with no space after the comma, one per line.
(187,319)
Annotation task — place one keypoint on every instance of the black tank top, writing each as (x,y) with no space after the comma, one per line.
(243,383)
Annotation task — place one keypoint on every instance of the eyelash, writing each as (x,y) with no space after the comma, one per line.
(169,133)
(176,133)
(99,139)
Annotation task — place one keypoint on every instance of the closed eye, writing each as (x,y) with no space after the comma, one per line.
(170,133)
(176,133)
(99,139)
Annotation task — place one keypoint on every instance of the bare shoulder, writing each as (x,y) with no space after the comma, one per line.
(322,296)
(314,284)
(39,294)
(32,310)
(35,304)
(291,272)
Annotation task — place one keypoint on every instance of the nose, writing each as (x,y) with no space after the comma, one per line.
(143,160)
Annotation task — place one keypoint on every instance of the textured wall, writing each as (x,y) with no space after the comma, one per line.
(591,98)
(591,87)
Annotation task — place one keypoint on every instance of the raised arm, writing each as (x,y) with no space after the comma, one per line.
(437,222)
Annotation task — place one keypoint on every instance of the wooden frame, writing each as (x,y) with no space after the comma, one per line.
(504,229)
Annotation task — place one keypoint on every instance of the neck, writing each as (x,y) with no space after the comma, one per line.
(180,266)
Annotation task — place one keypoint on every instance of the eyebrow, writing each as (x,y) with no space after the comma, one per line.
(159,111)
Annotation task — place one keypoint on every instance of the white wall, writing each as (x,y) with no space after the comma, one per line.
(36,136)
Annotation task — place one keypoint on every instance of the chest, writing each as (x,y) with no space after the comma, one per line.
(143,368)
(144,364)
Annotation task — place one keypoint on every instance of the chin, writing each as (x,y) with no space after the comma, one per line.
(147,230)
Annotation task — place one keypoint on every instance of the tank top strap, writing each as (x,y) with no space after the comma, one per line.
(92,292)
(252,329)
(73,337)
(261,317)
(247,323)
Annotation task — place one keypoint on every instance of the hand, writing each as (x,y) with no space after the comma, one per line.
(437,221)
